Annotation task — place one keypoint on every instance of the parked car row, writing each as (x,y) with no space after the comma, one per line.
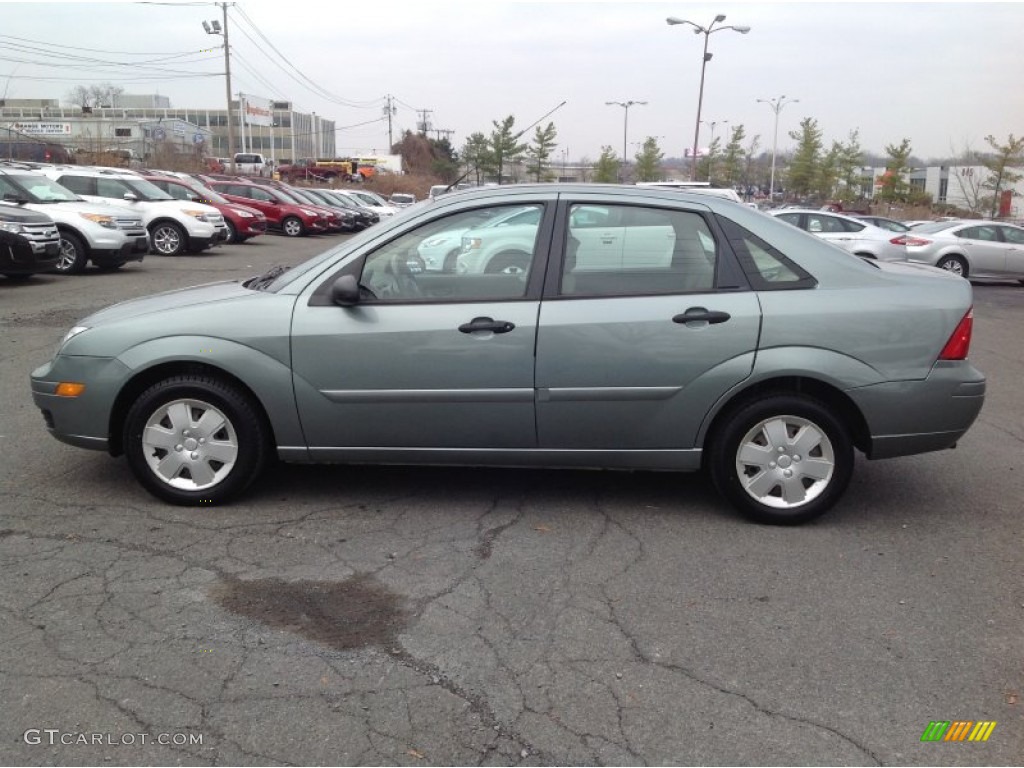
(59,218)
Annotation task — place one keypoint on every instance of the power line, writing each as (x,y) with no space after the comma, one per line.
(99,50)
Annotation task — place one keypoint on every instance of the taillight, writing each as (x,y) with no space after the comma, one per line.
(960,342)
(909,240)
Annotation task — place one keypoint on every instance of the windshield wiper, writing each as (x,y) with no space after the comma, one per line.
(262,281)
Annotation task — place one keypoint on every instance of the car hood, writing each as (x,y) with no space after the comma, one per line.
(210,293)
(107,209)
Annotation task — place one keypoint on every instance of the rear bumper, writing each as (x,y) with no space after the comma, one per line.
(909,417)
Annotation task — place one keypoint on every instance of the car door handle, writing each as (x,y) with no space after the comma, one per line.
(697,314)
(486,324)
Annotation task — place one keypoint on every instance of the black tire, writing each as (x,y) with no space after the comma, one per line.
(232,232)
(955,264)
(508,262)
(174,410)
(451,260)
(293,226)
(73,255)
(823,472)
(168,239)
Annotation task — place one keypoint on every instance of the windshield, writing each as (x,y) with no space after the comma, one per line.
(284,196)
(369,198)
(341,200)
(146,190)
(208,194)
(43,190)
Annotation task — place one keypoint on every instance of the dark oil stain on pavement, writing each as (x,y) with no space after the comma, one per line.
(353,613)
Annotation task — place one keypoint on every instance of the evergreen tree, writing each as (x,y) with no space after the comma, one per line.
(730,170)
(894,185)
(849,164)
(805,165)
(999,165)
(504,145)
(606,170)
(540,152)
(648,161)
(477,156)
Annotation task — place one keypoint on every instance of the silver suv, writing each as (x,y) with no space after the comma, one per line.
(174,226)
(107,235)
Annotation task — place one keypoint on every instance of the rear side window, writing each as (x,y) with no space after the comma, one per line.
(617,250)
(765,266)
(80,185)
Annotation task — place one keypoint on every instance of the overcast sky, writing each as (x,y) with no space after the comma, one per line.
(943,75)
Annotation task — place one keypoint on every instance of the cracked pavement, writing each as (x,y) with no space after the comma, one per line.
(514,617)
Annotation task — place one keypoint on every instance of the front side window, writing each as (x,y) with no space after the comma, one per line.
(460,257)
(617,250)
(111,188)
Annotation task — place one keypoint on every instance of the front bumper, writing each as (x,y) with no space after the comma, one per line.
(83,421)
(28,258)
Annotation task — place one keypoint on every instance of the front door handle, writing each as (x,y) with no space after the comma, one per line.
(698,314)
(486,324)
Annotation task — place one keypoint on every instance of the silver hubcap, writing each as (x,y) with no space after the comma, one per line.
(292,227)
(190,445)
(953,266)
(785,462)
(68,255)
(166,240)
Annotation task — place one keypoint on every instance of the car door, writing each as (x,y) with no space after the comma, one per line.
(1014,239)
(425,360)
(634,356)
(985,251)
(832,229)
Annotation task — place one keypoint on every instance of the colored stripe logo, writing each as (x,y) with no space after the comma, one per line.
(958,730)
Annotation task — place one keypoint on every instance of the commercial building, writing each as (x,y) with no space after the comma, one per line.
(138,129)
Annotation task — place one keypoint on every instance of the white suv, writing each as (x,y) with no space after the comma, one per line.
(174,226)
(107,235)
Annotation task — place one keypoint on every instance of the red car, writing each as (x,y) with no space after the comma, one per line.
(243,221)
(282,213)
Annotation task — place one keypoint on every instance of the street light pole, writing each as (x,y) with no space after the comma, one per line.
(625,128)
(214,28)
(776,104)
(707,31)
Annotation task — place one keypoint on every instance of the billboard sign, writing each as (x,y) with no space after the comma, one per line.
(257,111)
(42,129)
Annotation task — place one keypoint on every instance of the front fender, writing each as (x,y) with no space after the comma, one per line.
(269,379)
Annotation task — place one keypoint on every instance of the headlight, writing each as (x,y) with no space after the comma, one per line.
(10,226)
(71,334)
(101,219)
(198,215)
(244,214)
(470,243)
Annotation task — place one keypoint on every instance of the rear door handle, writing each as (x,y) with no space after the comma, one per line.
(486,324)
(698,314)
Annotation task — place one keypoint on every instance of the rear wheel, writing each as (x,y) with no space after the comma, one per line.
(293,227)
(73,256)
(954,264)
(193,440)
(782,460)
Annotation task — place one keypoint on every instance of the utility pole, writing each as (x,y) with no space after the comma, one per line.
(424,124)
(389,110)
(215,28)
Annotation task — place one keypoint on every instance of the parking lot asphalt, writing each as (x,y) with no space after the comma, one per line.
(357,615)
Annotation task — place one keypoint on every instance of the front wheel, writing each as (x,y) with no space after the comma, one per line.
(293,227)
(954,264)
(509,263)
(73,256)
(782,460)
(232,232)
(193,440)
(168,239)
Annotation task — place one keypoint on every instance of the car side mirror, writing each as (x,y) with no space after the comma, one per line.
(130,196)
(345,291)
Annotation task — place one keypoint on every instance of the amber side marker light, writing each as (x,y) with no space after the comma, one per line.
(70,389)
